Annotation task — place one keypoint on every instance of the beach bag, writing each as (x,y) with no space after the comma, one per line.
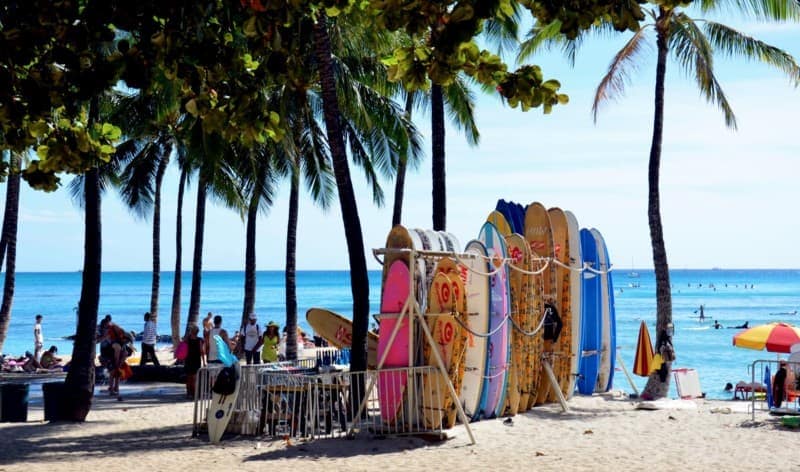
(182,351)
(125,371)
(225,384)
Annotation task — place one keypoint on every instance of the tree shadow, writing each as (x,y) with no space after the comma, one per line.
(36,442)
(339,448)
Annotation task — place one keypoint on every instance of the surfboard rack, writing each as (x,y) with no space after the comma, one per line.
(412,310)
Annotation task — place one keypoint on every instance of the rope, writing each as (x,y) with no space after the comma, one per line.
(502,368)
(596,271)
(482,335)
(528,333)
(568,267)
(534,272)
(476,271)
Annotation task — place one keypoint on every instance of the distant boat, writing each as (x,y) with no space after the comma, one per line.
(633,274)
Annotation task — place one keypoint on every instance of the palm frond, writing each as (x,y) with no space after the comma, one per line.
(735,44)
(695,54)
(762,10)
(460,106)
(542,37)
(502,32)
(619,71)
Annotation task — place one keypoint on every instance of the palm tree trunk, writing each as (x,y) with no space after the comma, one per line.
(438,159)
(400,182)
(80,378)
(250,260)
(290,272)
(359,280)
(10,225)
(3,241)
(155,287)
(658,383)
(175,319)
(197,262)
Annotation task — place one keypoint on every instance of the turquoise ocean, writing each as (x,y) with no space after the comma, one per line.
(729,296)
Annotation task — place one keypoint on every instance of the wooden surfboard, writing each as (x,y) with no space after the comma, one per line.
(500,222)
(539,236)
(563,346)
(518,393)
(338,331)
(447,301)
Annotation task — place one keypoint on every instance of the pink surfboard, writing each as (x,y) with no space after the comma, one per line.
(392,385)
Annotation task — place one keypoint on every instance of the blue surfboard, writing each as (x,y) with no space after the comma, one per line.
(590,317)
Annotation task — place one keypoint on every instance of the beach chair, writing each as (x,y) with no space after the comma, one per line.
(687,383)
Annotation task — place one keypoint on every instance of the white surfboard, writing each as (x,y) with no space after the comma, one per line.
(220,410)
(605,307)
(576,286)
(477,288)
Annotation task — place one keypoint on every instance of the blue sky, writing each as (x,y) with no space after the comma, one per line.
(727,196)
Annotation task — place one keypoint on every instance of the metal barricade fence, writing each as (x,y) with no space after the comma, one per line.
(326,405)
(757,389)
(248,403)
(293,399)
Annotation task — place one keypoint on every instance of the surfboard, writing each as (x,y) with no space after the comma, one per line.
(500,222)
(477,294)
(539,235)
(447,302)
(338,331)
(606,372)
(220,409)
(450,242)
(499,353)
(562,362)
(590,317)
(391,385)
(518,392)
(575,286)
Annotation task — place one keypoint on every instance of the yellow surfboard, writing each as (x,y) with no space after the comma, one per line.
(338,331)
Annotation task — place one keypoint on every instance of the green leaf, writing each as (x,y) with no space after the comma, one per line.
(42,151)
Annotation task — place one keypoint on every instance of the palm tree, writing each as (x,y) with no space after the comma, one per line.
(359,279)
(693,42)
(8,242)
(458,102)
(175,312)
(215,162)
(258,185)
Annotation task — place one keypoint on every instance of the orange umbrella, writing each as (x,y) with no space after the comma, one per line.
(774,337)
(644,352)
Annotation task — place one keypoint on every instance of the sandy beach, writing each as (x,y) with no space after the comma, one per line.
(151,430)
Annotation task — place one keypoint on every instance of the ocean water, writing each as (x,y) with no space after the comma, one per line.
(729,296)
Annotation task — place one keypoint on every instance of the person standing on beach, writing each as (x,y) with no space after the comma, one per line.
(194,358)
(38,338)
(269,342)
(779,385)
(207,325)
(211,346)
(149,337)
(252,340)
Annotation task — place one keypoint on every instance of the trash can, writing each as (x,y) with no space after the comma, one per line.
(14,402)
(53,393)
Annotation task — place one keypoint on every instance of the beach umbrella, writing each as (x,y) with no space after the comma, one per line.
(644,352)
(774,337)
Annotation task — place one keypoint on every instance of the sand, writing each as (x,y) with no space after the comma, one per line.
(151,430)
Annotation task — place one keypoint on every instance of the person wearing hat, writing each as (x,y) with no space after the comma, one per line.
(252,340)
(270,340)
